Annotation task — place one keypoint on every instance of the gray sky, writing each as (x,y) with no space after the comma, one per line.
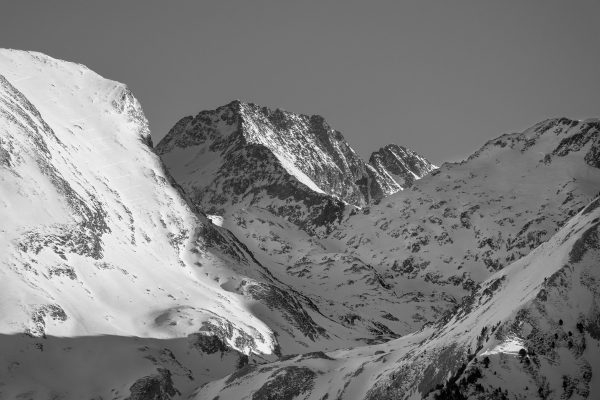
(439,77)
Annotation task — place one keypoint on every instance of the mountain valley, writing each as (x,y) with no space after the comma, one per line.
(253,254)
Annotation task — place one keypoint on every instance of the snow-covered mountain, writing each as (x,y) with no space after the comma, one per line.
(394,266)
(528,331)
(294,166)
(457,226)
(266,260)
(391,267)
(402,164)
(111,279)
(281,182)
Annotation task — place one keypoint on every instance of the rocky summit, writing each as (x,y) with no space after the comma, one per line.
(402,164)
(294,166)
(253,254)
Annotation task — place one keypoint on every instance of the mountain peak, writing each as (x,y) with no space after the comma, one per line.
(301,143)
(401,164)
(297,153)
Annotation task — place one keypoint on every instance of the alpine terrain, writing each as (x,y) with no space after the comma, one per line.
(253,254)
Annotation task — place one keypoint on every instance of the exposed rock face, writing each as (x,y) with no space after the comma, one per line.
(404,165)
(286,383)
(294,165)
(154,387)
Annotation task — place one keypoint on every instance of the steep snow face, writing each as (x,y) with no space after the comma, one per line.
(82,195)
(90,222)
(403,165)
(98,241)
(529,330)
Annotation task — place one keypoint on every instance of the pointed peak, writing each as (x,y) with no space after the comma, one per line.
(396,151)
(402,164)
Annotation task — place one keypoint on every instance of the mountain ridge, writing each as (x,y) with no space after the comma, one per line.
(295,147)
(288,277)
(403,164)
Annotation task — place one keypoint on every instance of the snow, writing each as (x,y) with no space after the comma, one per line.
(357,373)
(84,154)
(106,260)
(216,219)
(509,346)
(297,173)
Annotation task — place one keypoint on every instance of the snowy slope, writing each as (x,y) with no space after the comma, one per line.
(545,303)
(97,240)
(457,226)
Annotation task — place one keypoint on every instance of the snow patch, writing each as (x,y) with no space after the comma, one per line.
(509,346)
(216,219)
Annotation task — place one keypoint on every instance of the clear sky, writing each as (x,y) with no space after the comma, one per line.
(440,77)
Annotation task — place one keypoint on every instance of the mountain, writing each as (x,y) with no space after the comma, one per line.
(254,255)
(281,182)
(106,259)
(528,331)
(294,166)
(393,267)
(388,268)
(419,256)
(465,221)
(402,164)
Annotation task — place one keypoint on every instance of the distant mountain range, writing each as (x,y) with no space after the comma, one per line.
(253,254)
